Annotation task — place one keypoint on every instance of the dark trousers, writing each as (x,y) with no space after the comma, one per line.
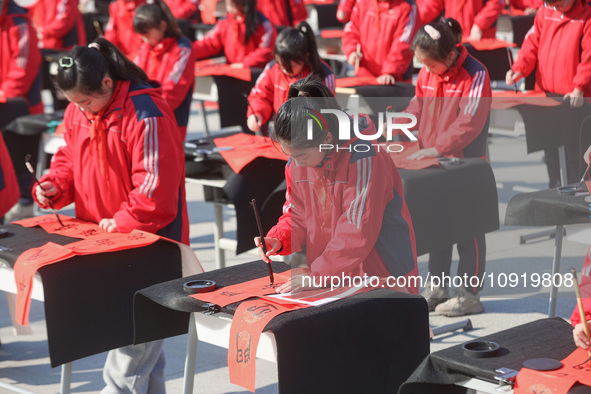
(574,169)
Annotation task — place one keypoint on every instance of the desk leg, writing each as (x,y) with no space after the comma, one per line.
(555,269)
(204,117)
(191,357)
(66,378)
(562,164)
(218,233)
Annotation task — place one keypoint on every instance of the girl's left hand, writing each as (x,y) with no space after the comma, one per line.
(295,282)
(576,98)
(386,79)
(236,65)
(423,153)
(475,33)
(108,225)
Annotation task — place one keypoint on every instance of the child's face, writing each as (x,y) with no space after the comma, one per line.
(434,66)
(561,5)
(232,9)
(296,68)
(154,35)
(91,103)
(306,157)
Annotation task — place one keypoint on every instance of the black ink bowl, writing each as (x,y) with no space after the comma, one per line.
(199,286)
(480,349)
(569,190)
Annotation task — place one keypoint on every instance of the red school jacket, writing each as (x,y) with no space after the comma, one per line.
(361,224)
(228,35)
(20,68)
(60,23)
(146,168)
(561,48)
(9,190)
(272,88)
(463,101)
(483,13)
(172,64)
(283,12)
(385,31)
(119,29)
(184,9)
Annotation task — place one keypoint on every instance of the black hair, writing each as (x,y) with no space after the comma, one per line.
(251,16)
(84,68)
(299,45)
(450,35)
(151,15)
(306,98)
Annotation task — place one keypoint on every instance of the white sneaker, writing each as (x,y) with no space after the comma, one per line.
(19,211)
(462,303)
(435,295)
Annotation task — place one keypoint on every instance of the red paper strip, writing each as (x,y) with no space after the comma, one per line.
(74,228)
(332,33)
(504,99)
(236,293)
(488,44)
(25,267)
(401,158)
(248,323)
(247,148)
(223,69)
(350,82)
(38,220)
(112,242)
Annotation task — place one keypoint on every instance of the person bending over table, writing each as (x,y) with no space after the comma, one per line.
(346,208)
(451,103)
(123,166)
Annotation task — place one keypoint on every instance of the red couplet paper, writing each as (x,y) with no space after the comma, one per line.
(38,220)
(576,368)
(239,292)
(203,70)
(248,323)
(112,242)
(503,99)
(247,148)
(488,44)
(25,268)
(331,33)
(350,82)
(401,158)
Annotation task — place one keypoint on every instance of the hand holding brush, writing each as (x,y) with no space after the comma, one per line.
(32,171)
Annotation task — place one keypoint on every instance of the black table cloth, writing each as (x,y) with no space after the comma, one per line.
(367,343)
(545,338)
(451,203)
(89,299)
(546,208)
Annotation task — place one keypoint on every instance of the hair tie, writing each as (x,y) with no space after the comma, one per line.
(66,62)
(432,32)
(95,45)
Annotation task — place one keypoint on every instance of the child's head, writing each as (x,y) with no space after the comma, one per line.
(306,98)
(246,9)
(435,45)
(296,48)
(88,74)
(561,5)
(154,21)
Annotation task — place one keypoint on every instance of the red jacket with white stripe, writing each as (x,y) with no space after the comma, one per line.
(585,286)
(361,226)
(172,64)
(20,68)
(283,12)
(561,48)
(272,88)
(119,29)
(60,24)
(453,121)
(146,166)
(228,35)
(483,13)
(385,31)
(184,9)
(9,190)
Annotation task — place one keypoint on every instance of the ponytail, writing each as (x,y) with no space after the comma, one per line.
(151,15)
(85,67)
(299,45)
(439,38)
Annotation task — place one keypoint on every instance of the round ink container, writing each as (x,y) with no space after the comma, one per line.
(569,190)
(480,349)
(199,286)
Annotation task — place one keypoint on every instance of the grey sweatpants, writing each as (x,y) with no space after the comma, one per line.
(135,369)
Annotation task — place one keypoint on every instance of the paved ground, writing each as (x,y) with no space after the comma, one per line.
(24,360)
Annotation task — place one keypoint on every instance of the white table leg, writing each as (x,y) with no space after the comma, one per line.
(218,233)
(191,357)
(66,378)
(555,269)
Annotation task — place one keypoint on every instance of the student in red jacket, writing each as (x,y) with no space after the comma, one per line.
(559,45)
(9,190)
(59,24)
(296,57)
(245,36)
(344,206)
(452,104)
(119,29)
(123,167)
(478,18)
(167,57)
(383,31)
(287,13)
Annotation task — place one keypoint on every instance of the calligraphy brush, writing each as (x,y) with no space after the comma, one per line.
(584,174)
(247,102)
(580,305)
(253,204)
(358,51)
(510,57)
(32,171)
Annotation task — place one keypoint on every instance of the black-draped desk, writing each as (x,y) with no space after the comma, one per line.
(548,208)
(446,370)
(366,343)
(89,299)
